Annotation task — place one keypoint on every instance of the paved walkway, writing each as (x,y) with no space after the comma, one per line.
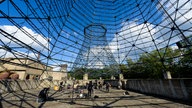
(113,99)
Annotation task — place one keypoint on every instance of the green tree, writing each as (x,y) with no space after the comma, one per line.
(124,70)
(153,64)
(78,73)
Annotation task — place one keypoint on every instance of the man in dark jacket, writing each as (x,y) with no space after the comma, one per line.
(90,88)
(43,95)
(107,86)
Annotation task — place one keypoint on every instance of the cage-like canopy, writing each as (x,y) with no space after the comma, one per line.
(57,32)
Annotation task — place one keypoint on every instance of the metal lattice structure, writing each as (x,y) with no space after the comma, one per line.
(95,52)
(51,32)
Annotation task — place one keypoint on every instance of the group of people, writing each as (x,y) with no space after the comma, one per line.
(91,86)
(43,94)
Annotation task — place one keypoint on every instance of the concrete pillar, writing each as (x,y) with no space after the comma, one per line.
(119,84)
(121,76)
(112,77)
(85,77)
(167,75)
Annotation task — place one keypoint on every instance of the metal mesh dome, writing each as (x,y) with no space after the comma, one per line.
(95,52)
(56,32)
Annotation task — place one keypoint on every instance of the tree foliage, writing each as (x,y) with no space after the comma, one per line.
(149,66)
(152,65)
(93,73)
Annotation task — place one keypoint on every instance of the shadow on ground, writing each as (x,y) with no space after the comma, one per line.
(60,99)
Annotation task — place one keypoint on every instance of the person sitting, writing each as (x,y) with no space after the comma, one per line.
(43,95)
(126,93)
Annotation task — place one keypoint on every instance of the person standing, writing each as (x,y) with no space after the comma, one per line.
(107,86)
(90,88)
(61,86)
(100,85)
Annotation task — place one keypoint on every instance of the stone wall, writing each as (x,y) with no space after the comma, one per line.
(171,88)
(56,75)
(18,85)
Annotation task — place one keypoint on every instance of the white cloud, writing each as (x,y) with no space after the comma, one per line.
(18,34)
(75,33)
(183,14)
(174,47)
(56,68)
(133,33)
(140,35)
(130,34)
(18,54)
(96,57)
